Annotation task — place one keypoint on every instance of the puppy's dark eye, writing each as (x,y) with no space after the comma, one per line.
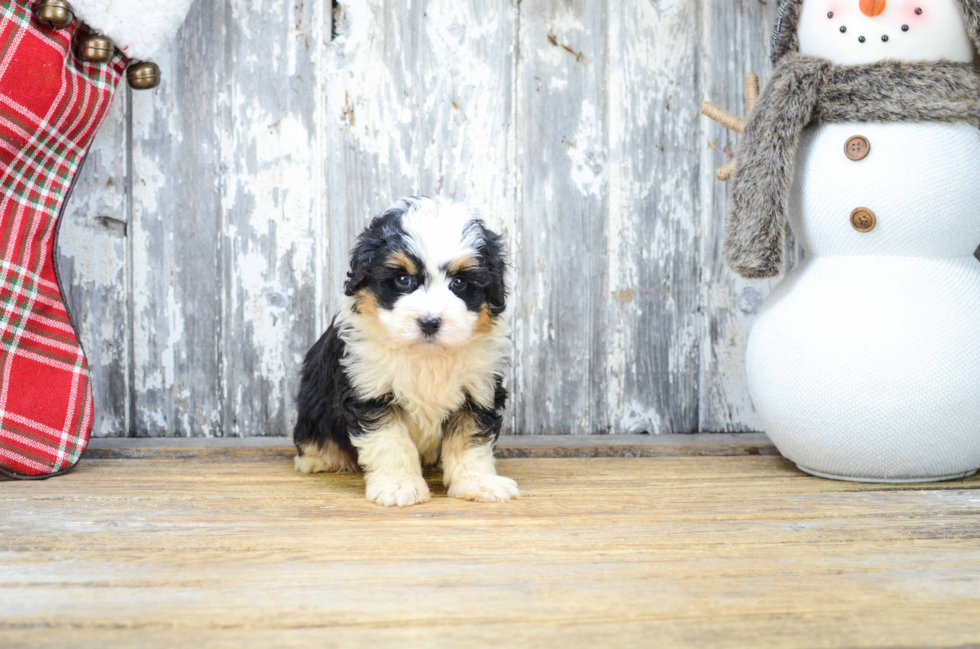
(404,281)
(458,284)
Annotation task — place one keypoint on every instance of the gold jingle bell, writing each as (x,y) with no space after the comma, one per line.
(95,49)
(144,75)
(56,14)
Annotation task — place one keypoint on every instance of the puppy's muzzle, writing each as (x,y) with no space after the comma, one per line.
(430,325)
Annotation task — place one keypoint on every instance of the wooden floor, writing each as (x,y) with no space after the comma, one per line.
(200,549)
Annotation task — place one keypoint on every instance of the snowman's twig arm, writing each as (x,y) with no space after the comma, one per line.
(730,121)
(751,90)
(723,117)
(725,173)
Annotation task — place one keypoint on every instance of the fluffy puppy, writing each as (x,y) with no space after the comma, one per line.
(410,371)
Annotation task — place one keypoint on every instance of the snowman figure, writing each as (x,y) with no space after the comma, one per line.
(864,362)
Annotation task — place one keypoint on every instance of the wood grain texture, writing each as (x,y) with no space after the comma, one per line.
(735,41)
(93,262)
(207,241)
(270,209)
(508,447)
(694,552)
(653,328)
(177,221)
(560,269)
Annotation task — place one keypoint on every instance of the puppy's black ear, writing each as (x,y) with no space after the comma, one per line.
(494,257)
(371,244)
(362,257)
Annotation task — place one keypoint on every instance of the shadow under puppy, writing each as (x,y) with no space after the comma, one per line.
(410,371)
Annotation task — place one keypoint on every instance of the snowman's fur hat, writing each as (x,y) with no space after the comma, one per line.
(784,38)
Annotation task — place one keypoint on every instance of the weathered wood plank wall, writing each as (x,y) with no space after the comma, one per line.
(206,243)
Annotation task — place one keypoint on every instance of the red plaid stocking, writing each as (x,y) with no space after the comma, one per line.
(51,105)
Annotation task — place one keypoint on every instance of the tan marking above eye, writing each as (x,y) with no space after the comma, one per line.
(399,259)
(463,263)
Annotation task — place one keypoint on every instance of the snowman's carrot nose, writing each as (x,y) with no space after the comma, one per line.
(872,8)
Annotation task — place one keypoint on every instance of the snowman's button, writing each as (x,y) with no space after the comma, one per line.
(863,219)
(857,148)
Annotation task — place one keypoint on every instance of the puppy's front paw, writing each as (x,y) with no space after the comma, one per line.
(402,492)
(487,488)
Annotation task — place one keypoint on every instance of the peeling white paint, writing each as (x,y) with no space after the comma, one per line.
(638,417)
(266,324)
(175,334)
(621,234)
(585,152)
(148,272)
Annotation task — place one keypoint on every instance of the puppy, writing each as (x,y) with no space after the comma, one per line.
(410,371)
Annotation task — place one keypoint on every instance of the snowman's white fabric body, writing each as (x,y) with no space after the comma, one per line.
(864,363)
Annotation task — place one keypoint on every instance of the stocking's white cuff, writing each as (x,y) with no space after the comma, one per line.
(140,28)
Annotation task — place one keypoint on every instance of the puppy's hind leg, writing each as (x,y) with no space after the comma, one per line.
(468,465)
(328,458)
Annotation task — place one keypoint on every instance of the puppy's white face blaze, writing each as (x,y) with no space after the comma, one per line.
(432,315)
(435,291)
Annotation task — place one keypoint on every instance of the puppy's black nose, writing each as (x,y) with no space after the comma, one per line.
(430,325)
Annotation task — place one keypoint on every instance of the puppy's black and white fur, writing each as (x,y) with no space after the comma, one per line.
(410,371)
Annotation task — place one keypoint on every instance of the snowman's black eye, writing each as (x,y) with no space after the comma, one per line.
(830,14)
(884,38)
(843,30)
(905,28)
(918,12)
(861,39)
